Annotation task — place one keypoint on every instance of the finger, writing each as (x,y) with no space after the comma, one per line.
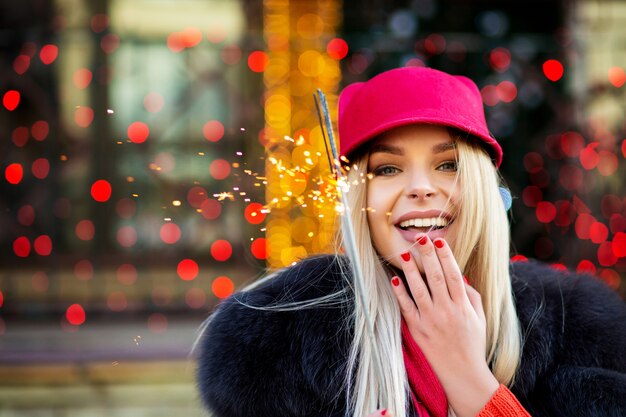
(476,301)
(417,286)
(433,271)
(408,309)
(451,270)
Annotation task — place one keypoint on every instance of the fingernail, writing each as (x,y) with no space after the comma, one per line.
(422,240)
(466,280)
(395,281)
(384,412)
(406,256)
(438,243)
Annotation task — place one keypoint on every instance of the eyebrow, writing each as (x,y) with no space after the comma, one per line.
(395,150)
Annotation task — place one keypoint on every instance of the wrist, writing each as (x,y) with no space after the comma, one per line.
(470,394)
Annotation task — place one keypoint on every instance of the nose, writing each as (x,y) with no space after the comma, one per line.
(420,186)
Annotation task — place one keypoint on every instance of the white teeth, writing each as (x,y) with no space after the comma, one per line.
(433,221)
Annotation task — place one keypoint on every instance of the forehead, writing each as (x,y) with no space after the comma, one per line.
(422,137)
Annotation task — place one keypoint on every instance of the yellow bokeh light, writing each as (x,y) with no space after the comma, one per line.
(311,63)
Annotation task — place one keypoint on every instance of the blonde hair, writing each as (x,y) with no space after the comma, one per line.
(482,252)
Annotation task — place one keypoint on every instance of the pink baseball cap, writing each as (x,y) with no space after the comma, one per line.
(412,95)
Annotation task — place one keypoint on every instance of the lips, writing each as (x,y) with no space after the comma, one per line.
(410,234)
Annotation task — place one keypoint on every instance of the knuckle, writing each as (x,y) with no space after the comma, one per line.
(437,276)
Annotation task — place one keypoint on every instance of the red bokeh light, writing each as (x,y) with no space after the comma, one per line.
(21,64)
(14,173)
(221,250)
(126,236)
(11,99)
(337,48)
(170,233)
(532,195)
(219,169)
(43,245)
(258,61)
(48,54)
(211,209)
(21,246)
(610,204)
(20,136)
(157,323)
(101,191)
(40,130)
(109,43)
(116,301)
(259,248)
(125,207)
(75,314)
(619,245)
(195,298)
(83,270)
(196,196)
(222,287)
(82,78)
(253,213)
(589,158)
(187,269)
(127,274)
(85,230)
(583,225)
(598,232)
(586,266)
(175,42)
(489,94)
(553,70)
(506,91)
(572,143)
(558,267)
(607,164)
(191,37)
(610,277)
(99,22)
(519,258)
(83,116)
(565,213)
(40,168)
(606,257)
(213,130)
(617,76)
(533,162)
(545,212)
(500,59)
(231,54)
(138,132)
(435,44)
(26,215)
(617,223)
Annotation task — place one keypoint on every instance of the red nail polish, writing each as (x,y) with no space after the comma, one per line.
(438,243)
(395,281)
(422,240)
(406,256)
(466,280)
(384,412)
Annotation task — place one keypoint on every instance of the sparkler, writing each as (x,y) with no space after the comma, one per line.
(349,239)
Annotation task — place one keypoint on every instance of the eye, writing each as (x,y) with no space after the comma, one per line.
(385,170)
(449,166)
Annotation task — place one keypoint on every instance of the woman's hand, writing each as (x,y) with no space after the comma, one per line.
(447,321)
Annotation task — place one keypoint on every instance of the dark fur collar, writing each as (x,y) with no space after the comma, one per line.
(268,363)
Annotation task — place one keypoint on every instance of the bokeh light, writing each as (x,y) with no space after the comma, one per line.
(337,48)
(14,173)
(187,269)
(254,213)
(43,245)
(11,99)
(75,314)
(48,54)
(213,130)
(210,209)
(553,70)
(221,250)
(259,248)
(222,287)
(170,233)
(258,61)
(21,247)
(138,132)
(83,270)
(219,169)
(101,191)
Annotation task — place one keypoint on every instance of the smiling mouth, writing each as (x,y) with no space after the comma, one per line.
(425,224)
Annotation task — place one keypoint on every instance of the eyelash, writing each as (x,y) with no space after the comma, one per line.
(380,170)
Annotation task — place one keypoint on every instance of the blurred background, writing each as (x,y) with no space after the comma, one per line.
(157,155)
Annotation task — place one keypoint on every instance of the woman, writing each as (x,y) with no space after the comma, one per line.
(513,339)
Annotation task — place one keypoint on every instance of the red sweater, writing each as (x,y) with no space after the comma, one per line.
(428,395)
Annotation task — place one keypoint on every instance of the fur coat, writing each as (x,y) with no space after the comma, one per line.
(256,363)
